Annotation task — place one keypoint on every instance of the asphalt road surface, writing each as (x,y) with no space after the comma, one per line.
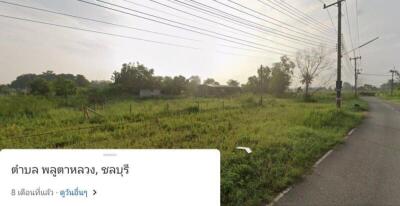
(364,171)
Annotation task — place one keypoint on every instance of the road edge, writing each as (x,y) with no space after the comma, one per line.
(319,161)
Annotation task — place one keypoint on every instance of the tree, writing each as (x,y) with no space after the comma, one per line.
(40,86)
(174,86)
(368,88)
(311,63)
(210,81)
(281,75)
(233,83)
(63,87)
(347,87)
(81,81)
(48,75)
(23,81)
(264,76)
(134,77)
(260,82)
(193,84)
(252,84)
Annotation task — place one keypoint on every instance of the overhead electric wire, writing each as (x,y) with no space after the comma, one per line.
(183,28)
(358,31)
(95,20)
(330,17)
(303,32)
(242,21)
(383,75)
(232,18)
(97,32)
(349,27)
(304,39)
(221,24)
(312,19)
(117,35)
(293,15)
(154,9)
(283,34)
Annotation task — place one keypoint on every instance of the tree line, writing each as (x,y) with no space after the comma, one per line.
(131,78)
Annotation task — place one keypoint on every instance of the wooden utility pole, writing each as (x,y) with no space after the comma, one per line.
(356,72)
(392,82)
(339,54)
(261,76)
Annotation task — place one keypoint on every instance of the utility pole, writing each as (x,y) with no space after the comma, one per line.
(392,82)
(356,72)
(339,54)
(260,74)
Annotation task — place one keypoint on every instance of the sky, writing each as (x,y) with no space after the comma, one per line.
(28,47)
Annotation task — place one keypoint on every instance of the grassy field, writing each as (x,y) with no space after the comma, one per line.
(286,135)
(394,98)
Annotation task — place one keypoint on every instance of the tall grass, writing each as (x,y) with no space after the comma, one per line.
(286,135)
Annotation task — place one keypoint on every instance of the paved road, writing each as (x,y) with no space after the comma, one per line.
(364,171)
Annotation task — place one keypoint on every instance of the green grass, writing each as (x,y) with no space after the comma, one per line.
(286,135)
(394,98)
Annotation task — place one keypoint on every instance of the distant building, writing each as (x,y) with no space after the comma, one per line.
(217,90)
(150,93)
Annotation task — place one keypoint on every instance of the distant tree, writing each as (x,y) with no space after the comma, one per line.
(174,86)
(70,77)
(311,63)
(264,76)
(210,81)
(100,83)
(40,86)
(23,81)
(233,83)
(96,95)
(281,75)
(134,77)
(252,84)
(368,88)
(81,81)
(193,84)
(48,75)
(63,87)
(347,87)
(5,89)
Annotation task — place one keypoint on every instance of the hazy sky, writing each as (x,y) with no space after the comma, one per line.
(27,47)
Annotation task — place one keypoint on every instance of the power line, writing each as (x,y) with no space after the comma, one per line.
(303,32)
(97,32)
(305,40)
(330,16)
(294,15)
(221,24)
(154,9)
(95,20)
(382,75)
(115,35)
(358,30)
(312,19)
(348,25)
(248,23)
(233,19)
(183,28)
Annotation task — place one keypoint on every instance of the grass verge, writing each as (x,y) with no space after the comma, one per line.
(286,135)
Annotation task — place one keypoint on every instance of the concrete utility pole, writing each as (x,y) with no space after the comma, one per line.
(392,82)
(356,73)
(339,54)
